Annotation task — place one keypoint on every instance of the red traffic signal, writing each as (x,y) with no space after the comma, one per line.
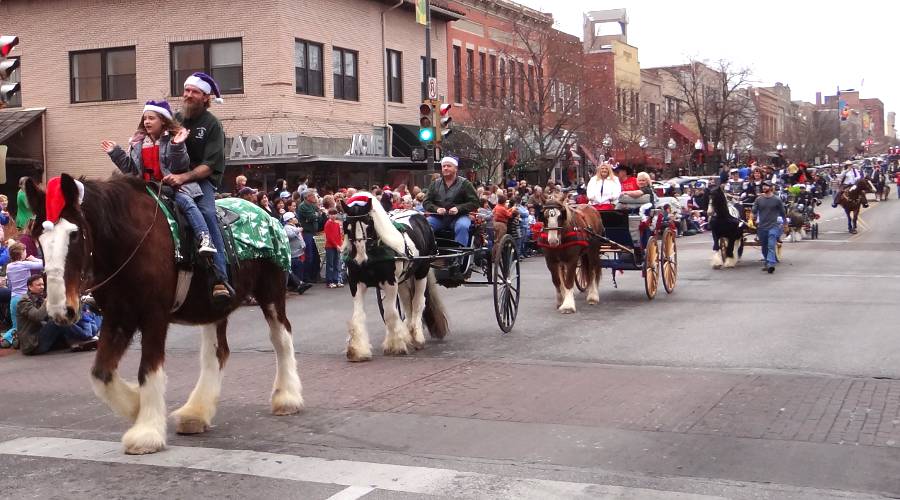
(7,42)
(445,120)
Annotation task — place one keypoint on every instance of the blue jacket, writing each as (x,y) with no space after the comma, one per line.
(173,159)
(4,256)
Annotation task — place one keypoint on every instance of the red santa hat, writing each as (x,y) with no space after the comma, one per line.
(358,200)
(56,201)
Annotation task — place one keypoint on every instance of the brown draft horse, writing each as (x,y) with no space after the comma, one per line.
(567,242)
(851,200)
(116,233)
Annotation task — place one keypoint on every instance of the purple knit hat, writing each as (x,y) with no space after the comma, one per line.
(205,83)
(161,107)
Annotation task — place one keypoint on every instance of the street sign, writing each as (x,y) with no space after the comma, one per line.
(833,145)
(432,88)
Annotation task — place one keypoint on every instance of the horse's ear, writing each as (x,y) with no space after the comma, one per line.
(36,198)
(70,190)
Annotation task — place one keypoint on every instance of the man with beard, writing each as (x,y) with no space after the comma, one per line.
(206,149)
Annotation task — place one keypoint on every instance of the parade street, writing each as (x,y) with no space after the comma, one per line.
(740,384)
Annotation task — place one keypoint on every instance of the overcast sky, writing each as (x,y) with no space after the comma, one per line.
(811,46)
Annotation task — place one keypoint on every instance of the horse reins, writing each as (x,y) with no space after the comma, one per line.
(136,248)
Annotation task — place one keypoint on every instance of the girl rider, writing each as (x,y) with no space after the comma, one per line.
(156,150)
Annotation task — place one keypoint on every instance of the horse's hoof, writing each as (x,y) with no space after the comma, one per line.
(566,310)
(593,302)
(190,425)
(396,351)
(285,403)
(356,356)
(143,440)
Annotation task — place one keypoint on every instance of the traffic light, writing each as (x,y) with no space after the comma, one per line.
(443,125)
(426,123)
(7,66)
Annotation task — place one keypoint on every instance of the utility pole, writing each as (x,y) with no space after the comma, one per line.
(429,162)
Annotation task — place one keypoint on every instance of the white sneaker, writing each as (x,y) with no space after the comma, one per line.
(205,245)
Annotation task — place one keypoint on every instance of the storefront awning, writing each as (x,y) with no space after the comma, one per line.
(12,121)
(688,134)
(390,162)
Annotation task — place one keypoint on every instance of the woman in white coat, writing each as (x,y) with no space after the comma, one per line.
(603,189)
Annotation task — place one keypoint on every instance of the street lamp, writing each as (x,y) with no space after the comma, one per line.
(749,149)
(671,145)
(643,143)
(698,146)
(607,143)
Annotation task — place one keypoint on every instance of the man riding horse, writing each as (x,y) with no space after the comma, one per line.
(848,178)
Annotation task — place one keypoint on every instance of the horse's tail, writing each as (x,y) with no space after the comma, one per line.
(434,315)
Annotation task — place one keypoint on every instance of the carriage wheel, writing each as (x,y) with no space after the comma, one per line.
(379,296)
(582,278)
(740,249)
(507,281)
(651,267)
(668,265)
(815,231)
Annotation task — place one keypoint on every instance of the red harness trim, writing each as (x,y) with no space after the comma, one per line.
(569,239)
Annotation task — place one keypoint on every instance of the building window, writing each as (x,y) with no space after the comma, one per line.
(395,76)
(103,75)
(457,75)
(470,74)
(15,77)
(220,59)
(482,77)
(344,70)
(308,71)
(493,59)
(635,106)
(652,117)
(552,96)
(530,85)
(522,89)
(511,66)
(502,82)
(432,75)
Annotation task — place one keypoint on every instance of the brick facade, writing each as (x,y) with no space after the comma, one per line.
(267,30)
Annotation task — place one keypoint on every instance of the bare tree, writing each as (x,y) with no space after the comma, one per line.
(483,139)
(549,89)
(716,98)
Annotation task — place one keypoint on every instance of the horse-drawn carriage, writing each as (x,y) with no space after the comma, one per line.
(632,242)
(801,211)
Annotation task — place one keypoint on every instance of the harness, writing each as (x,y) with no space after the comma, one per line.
(376,250)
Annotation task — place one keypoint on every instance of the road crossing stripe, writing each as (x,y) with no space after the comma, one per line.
(399,478)
(351,493)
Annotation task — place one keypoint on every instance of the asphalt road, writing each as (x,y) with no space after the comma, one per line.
(738,385)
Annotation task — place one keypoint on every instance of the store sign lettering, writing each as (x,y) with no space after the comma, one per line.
(366,145)
(265,146)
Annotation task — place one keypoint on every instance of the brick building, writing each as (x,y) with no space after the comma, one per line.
(285,113)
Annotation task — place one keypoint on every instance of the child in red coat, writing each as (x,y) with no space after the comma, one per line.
(334,240)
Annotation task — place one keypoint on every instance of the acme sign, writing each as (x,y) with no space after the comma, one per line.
(265,146)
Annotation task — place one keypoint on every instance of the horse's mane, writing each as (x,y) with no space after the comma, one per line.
(718,201)
(388,234)
(108,207)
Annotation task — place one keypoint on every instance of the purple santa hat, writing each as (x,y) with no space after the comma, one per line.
(159,107)
(206,84)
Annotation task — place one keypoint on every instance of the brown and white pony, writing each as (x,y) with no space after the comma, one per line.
(851,200)
(118,239)
(566,240)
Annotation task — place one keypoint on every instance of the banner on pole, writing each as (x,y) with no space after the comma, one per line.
(421,12)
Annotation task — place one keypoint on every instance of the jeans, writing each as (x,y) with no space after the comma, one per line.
(333,265)
(51,333)
(295,277)
(207,206)
(768,241)
(191,213)
(461,224)
(313,264)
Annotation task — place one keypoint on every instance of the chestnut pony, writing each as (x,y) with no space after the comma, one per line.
(112,237)
(565,241)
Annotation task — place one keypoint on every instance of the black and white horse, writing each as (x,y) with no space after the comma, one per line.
(726,227)
(379,254)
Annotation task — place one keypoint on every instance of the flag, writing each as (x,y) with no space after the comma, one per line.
(421,12)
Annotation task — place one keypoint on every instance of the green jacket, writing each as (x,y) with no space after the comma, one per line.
(310,217)
(23,211)
(461,194)
(29,320)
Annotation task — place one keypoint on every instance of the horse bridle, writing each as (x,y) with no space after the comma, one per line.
(370,238)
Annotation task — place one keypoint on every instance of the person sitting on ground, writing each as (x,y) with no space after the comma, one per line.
(37,334)
(157,149)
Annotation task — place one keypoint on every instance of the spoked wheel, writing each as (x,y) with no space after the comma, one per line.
(379,295)
(668,266)
(651,267)
(581,274)
(507,281)
(815,231)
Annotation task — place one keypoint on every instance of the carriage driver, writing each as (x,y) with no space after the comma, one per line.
(848,178)
(449,201)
